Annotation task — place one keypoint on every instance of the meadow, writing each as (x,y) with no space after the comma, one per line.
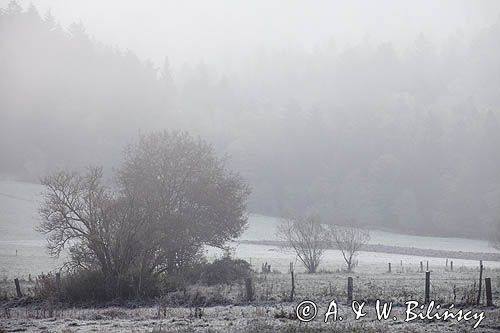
(201,308)
(225,308)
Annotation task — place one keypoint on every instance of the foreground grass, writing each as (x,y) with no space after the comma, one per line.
(224,308)
(222,319)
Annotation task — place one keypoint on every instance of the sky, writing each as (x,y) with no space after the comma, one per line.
(226,33)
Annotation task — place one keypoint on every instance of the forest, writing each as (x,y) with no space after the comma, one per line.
(367,134)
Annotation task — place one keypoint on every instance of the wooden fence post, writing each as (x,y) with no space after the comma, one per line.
(58,282)
(349,289)
(427,265)
(451,265)
(446,264)
(427,286)
(487,283)
(421,267)
(292,293)
(389,267)
(18,288)
(249,290)
(480,281)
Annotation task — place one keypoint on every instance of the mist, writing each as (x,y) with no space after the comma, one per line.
(381,114)
(228,35)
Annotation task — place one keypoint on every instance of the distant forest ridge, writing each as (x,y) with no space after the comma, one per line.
(364,135)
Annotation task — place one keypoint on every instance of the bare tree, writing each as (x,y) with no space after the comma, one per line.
(349,241)
(306,236)
(82,215)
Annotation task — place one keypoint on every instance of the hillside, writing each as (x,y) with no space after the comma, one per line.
(18,215)
(19,210)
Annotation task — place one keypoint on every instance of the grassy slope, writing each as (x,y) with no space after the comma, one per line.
(19,203)
(19,210)
(18,217)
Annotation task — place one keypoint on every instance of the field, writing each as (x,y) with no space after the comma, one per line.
(226,308)
(223,308)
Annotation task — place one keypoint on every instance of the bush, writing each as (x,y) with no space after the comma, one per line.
(83,286)
(45,286)
(221,271)
(80,286)
(175,282)
(225,271)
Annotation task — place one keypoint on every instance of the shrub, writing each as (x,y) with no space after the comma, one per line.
(175,282)
(225,271)
(80,286)
(91,286)
(45,286)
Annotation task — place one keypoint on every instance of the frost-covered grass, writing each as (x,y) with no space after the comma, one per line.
(18,217)
(228,319)
(19,204)
(264,228)
(31,258)
(272,311)
(332,260)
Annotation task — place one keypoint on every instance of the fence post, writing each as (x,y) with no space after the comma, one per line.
(427,286)
(480,281)
(349,289)
(421,267)
(58,282)
(249,290)
(389,267)
(487,283)
(293,283)
(18,288)
(446,264)
(451,265)
(427,265)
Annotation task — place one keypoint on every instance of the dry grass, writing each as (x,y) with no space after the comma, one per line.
(224,308)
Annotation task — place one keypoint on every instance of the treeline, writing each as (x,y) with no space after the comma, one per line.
(367,134)
(66,99)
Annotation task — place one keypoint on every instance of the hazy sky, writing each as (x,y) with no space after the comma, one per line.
(228,31)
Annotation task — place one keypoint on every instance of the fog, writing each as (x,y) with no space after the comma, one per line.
(227,34)
(370,113)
